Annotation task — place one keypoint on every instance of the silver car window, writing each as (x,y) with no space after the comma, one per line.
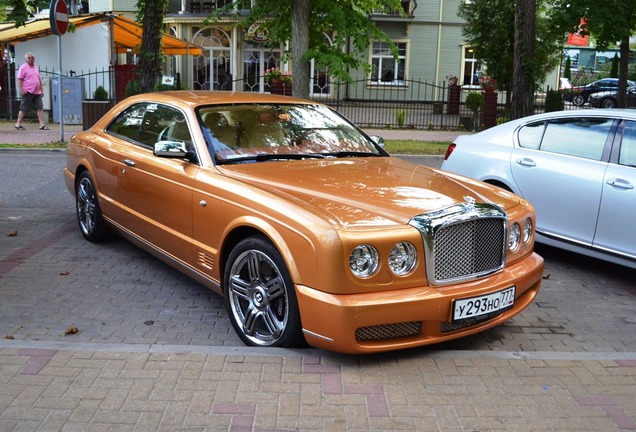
(627,154)
(581,137)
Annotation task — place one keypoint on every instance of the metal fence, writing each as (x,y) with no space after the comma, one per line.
(413,104)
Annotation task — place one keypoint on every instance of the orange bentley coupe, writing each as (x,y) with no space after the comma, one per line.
(310,230)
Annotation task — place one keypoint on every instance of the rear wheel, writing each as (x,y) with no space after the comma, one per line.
(89,215)
(578,99)
(260,296)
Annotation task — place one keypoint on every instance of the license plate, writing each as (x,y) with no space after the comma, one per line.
(483,305)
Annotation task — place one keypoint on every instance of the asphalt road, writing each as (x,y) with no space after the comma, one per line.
(51,279)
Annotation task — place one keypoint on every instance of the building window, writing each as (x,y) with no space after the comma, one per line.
(472,68)
(385,69)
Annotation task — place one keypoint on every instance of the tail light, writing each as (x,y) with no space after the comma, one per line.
(449,150)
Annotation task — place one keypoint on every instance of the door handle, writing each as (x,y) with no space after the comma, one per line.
(129,162)
(526,162)
(620,183)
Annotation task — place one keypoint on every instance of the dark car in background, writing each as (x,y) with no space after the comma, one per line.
(579,95)
(609,98)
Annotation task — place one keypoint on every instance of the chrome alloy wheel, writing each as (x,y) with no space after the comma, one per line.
(258,298)
(86,206)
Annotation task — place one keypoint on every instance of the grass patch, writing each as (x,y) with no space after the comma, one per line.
(49,145)
(412,147)
(416,147)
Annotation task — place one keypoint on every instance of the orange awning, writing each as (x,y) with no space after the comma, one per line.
(126,34)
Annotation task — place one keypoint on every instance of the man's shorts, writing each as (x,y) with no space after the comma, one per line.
(31,100)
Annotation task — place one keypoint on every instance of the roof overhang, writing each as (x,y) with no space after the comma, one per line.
(126,34)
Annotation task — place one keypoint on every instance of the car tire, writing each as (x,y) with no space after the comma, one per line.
(578,99)
(608,103)
(89,214)
(260,296)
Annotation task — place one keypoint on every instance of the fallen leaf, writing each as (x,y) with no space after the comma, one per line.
(64,273)
(10,337)
(149,322)
(12,233)
(546,276)
(70,331)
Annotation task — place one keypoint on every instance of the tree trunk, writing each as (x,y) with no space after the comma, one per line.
(149,66)
(523,84)
(300,10)
(623,69)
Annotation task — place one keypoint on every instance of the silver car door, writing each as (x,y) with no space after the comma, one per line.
(615,230)
(562,174)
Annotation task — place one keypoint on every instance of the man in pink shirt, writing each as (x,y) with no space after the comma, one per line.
(30,88)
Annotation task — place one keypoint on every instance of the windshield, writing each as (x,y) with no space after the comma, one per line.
(259,132)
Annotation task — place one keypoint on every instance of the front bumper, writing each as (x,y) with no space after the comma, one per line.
(417,316)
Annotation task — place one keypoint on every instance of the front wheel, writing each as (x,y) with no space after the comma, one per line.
(89,215)
(608,103)
(260,296)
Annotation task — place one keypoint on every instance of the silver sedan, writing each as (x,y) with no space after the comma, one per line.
(578,169)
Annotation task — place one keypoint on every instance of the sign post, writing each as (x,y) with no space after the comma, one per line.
(59,24)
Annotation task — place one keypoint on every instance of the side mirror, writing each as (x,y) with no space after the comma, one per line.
(170,149)
(378,140)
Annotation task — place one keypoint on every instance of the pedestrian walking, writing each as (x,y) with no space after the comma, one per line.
(30,89)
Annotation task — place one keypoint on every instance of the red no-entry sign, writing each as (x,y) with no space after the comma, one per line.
(58,17)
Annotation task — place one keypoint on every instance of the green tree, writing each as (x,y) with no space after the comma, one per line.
(609,22)
(490,30)
(614,69)
(305,23)
(21,10)
(150,14)
(567,69)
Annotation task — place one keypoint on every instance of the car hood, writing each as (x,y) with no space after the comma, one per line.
(366,191)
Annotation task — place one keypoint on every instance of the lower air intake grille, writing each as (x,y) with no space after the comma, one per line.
(388,331)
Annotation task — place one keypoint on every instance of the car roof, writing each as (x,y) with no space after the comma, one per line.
(194,98)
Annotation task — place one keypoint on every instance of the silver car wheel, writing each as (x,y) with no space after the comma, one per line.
(260,296)
(608,103)
(578,99)
(89,215)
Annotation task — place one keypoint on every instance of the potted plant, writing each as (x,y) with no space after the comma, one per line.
(280,82)
(452,79)
(276,76)
(475,102)
(488,83)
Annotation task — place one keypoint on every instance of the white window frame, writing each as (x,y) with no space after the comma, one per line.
(388,56)
(475,68)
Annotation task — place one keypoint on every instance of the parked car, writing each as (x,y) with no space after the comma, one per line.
(609,98)
(578,169)
(310,230)
(564,83)
(579,95)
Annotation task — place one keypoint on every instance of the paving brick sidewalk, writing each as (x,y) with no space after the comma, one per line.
(307,390)
(155,351)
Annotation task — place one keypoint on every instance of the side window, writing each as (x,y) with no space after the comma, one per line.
(627,155)
(128,122)
(581,137)
(530,135)
(164,123)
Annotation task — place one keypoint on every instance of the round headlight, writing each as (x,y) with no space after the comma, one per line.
(402,258)
(527,231)
(514,237)
(363,261)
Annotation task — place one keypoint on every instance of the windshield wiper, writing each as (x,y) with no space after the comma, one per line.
(343,154)
(269,157)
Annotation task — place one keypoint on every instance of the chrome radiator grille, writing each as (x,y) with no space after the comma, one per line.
(463,242)
(468,248)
